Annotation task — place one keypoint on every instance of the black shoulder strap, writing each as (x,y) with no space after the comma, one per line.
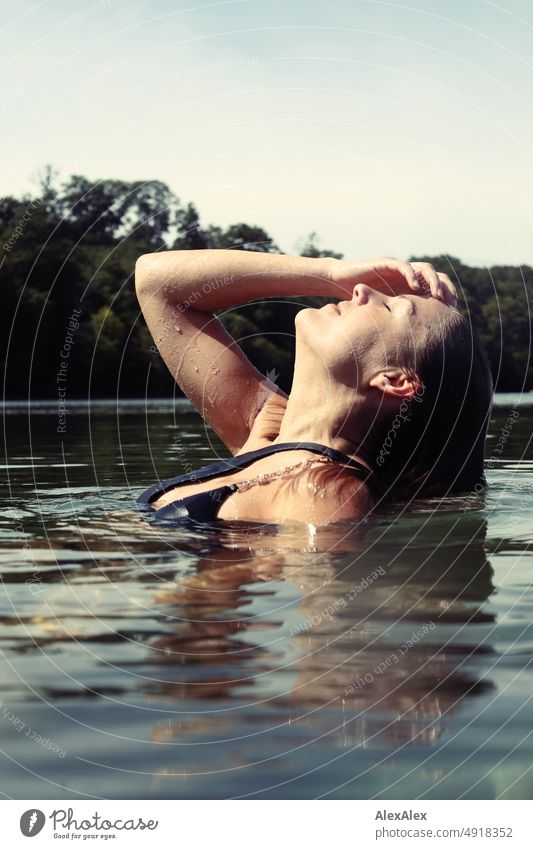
(241,461)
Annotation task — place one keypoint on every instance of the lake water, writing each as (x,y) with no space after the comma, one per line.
(384,659)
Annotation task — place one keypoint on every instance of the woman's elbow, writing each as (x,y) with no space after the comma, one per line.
(162,274)
(145,274)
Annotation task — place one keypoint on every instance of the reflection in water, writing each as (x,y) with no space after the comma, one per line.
(370,638)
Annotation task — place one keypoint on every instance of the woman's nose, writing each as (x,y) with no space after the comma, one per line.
(361,293)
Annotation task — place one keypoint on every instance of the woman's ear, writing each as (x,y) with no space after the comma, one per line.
(397,383)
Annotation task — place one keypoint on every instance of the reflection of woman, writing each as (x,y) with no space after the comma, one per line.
(391,392)
(380,635)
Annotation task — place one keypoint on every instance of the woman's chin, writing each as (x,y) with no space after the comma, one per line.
(307,316)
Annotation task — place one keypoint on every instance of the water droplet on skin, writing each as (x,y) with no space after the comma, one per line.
(215,370)
(196,369)
(177,328)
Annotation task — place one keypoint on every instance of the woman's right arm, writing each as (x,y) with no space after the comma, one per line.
(211,280)
(179,292)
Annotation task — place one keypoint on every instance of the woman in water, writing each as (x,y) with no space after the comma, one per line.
(391,391)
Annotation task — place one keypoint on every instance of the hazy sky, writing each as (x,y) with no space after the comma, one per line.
(389,128)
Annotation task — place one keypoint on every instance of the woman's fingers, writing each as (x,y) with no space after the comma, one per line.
(422,277)
(429,279)
(388,270)
(436,283)
(409,273)
(449,290)
(385,274)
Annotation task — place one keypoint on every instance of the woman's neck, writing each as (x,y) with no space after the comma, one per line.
(326,421)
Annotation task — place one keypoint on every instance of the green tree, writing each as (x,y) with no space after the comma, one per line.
(311,249)
(247,237)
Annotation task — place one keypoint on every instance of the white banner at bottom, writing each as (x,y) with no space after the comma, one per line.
(230,824)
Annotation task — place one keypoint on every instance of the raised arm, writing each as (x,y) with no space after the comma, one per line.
(179,292)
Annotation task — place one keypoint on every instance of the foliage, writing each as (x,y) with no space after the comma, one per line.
(73,246)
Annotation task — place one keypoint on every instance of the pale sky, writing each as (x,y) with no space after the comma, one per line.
(389,128)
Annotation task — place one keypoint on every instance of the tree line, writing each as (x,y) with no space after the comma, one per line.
(70,318)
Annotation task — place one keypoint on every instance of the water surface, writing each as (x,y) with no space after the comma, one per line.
(388,658)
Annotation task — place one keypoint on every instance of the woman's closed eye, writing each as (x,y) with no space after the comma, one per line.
(387,306)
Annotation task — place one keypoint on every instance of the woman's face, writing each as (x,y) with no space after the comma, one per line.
(355,339)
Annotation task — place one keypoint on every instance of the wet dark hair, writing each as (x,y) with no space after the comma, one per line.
(435,444)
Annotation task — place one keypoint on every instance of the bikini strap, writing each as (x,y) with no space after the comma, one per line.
(241,461)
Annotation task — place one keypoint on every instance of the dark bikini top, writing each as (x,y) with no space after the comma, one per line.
(204,506)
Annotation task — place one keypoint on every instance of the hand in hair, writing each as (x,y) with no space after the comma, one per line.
(392,277)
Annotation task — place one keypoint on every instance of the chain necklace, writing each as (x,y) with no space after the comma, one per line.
(266,477)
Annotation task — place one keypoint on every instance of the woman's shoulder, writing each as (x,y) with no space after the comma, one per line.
(338,493)
(316,496)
